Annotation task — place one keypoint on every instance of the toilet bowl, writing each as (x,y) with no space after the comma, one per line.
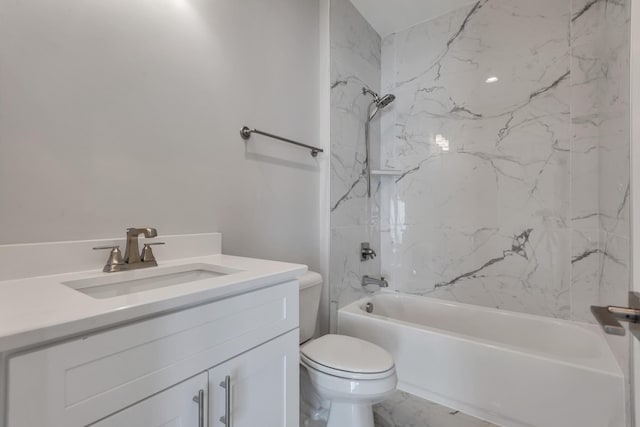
(349,375)
(341,376)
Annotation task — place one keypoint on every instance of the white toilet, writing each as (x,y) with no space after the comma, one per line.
(340,377)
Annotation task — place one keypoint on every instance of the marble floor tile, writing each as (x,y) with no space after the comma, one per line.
(406,410)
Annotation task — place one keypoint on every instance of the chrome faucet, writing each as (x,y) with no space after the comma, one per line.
(367,280)
(132,257)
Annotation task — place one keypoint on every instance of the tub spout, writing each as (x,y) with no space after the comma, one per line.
(367,280)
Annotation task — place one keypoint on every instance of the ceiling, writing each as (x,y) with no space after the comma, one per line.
(389,16)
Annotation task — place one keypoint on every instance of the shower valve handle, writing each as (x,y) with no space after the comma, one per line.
(366,253)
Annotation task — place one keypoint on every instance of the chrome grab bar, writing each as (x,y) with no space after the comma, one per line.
(246,132)
(608,317)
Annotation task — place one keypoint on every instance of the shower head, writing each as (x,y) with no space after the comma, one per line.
(378,101)
(385,100)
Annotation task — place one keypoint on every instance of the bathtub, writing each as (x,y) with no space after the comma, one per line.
(508,368)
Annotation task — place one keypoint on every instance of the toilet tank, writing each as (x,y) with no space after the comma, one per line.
(310,290)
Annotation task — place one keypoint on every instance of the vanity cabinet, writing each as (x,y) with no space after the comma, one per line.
(155,366)
(178,406)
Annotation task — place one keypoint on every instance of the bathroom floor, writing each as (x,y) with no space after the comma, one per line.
(406,410)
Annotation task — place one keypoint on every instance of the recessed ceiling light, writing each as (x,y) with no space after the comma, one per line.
(492,79)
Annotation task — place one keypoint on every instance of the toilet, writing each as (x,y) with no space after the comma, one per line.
(341,377)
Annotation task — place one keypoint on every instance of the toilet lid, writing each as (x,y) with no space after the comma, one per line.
(348,355)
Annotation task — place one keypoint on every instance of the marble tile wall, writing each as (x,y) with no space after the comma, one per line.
(614,149)
(614,164)
(512,194)
(355,63)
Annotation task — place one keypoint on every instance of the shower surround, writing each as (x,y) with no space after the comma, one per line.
(510,130)
(511,194)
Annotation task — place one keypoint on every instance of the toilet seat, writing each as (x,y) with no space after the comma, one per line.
(347,357)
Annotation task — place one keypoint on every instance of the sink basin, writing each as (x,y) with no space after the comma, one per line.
(131,282)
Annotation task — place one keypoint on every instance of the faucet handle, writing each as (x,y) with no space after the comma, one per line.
(147,253)
(115,257)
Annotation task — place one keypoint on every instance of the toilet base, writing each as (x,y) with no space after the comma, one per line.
(349,414)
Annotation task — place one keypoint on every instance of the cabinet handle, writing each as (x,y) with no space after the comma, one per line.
(199,399)
(226,385)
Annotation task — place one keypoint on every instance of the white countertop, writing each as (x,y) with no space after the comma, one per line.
(42,309)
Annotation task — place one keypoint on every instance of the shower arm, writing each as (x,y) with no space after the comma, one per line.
(376,97)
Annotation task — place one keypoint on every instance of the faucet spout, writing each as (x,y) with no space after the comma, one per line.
(381,282)
(132,252)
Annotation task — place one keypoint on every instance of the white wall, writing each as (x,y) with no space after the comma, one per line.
(325,138)
(126,113)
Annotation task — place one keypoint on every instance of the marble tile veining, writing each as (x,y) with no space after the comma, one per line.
(486,185)
(506,129)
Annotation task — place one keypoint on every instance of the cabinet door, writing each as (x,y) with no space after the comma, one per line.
(263,386)
(178,406)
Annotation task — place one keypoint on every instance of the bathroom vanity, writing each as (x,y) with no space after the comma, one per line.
(211,340)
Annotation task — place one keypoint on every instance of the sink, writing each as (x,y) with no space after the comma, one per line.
(132,282)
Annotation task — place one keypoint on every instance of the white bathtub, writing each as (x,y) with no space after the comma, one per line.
(508,368)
